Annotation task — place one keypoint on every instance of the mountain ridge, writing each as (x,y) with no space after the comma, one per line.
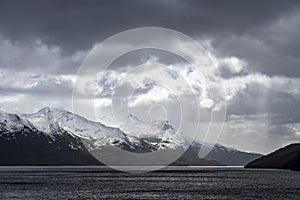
(58,123)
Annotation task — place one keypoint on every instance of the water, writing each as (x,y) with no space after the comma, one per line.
(175,183)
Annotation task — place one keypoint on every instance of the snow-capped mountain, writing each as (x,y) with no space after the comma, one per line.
(159,133)
(60,129)
(155,135)
(11,123)
(22,143)
(76,125)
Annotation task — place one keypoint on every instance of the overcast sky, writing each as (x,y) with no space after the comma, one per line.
(255,45)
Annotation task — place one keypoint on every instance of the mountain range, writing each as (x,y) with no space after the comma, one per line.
(55,136)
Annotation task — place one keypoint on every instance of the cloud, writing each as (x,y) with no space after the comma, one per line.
(155,94)
(38,84)
(37,58)
(206,103)
(271,50)
(266,40)
(232,66)
(77,25)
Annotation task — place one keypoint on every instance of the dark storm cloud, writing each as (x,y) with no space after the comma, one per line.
(78,24)
(271,59)
(233,25)
(237,27)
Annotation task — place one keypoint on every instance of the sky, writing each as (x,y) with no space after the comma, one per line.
(254,45)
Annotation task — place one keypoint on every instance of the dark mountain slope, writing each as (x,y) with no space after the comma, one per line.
(28,147)
(285,158)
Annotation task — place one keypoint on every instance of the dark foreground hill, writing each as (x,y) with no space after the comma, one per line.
(285,158)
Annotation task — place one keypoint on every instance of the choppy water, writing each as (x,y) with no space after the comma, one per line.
(198,183)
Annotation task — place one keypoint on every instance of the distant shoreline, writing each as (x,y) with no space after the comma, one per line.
(99,169)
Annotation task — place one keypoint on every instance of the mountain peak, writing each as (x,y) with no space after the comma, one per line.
(51,110)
